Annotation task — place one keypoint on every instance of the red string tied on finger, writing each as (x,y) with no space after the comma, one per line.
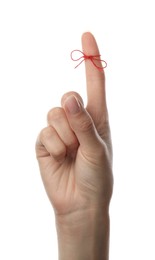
(92,58)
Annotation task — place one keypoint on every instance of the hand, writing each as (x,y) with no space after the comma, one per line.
(75,157)
(74,151)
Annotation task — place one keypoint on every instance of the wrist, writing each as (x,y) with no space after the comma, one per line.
(83,235)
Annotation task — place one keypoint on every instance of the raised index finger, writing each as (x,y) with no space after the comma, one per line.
(95,79)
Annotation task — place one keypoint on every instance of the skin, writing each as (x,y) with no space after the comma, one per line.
(74,153)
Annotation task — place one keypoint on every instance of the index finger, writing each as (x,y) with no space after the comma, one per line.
(95,80)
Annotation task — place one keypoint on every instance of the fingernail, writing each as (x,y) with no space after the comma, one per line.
(72,105)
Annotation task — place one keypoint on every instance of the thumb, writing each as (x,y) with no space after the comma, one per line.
(82,124)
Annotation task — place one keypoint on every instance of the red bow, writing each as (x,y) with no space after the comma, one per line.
(93,58)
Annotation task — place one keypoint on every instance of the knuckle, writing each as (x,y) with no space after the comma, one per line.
(55,113)
(59,153)
(104,129)
(86,125)
(46,134)
(73,145)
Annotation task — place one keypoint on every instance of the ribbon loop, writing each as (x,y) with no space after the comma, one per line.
(92,58)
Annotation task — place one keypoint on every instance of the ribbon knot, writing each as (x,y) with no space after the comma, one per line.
(92,58)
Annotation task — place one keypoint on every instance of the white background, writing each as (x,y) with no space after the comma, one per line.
(36,38)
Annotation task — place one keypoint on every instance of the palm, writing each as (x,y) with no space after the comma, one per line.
(76,182)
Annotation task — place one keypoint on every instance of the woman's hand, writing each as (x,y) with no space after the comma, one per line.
(75,152)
